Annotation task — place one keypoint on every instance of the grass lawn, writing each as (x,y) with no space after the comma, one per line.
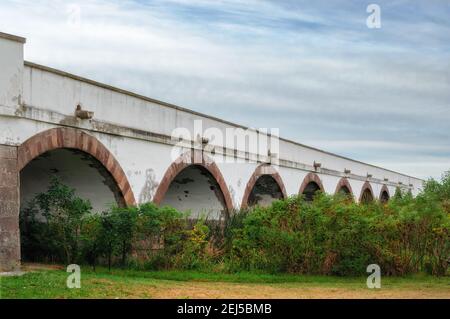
(45,282)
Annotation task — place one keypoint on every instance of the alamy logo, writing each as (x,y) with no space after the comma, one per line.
(374,19)
(374,279)
(228,144)
(73,15)
(74,279)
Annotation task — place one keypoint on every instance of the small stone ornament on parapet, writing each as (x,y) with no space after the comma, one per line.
(317,165)
(83,114)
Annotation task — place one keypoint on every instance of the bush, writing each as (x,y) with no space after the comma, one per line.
(326,236)
(331,235)
(193,254)
(334,236)
(51,224)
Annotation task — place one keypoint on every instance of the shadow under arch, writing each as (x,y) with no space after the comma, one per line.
(384,194)
(262,170)
(344,185)
(70,138)
(193,158)
(366,195)
(311,179)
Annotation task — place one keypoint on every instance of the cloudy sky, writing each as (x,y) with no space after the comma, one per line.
(311,68)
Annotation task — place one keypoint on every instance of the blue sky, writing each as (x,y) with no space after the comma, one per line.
(311,68)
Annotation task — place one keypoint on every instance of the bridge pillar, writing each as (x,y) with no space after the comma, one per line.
(9,210)
(11,91)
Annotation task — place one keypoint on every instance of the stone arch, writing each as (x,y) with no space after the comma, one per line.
(366,194)
(190,158)
(384,194)
(343,182)
(262,170)
(311,178)
(71,138)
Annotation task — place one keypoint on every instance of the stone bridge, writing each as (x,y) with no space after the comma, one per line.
(117,147)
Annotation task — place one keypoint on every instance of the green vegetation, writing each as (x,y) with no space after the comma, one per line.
(59,235)
(123,283)
(338,237)
(331,235)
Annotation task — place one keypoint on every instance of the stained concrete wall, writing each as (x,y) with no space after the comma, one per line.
(9,210)
(75,169)
(194,189)
(117,110)
(11,79)
(145,163)
(11,66)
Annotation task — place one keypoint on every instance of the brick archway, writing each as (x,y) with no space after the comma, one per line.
(75,139)
(263,169)
(343,182)
(383,190)
(366,186)
(311,177)
(193,157)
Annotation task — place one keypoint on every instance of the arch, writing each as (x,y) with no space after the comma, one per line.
(366,194)
(398,193)
(262,170)
(71,138)
(198,158)
(311,179)
(344,183)
(384,194)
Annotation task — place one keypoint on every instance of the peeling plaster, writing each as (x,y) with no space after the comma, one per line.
(150,187)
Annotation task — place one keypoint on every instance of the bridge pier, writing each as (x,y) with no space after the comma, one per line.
(9,210)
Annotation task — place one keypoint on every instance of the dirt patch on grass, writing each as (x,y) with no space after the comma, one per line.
(239,291)
(119,285)
(219,290)
(37,267)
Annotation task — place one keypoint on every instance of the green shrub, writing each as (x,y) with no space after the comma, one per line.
(51,224)
(331,235)
(325,236)
(194,254)
(161,229)
(92,246)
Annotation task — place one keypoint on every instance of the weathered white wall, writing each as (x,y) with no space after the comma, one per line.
(11,71)
(62,94)
(196,191)
(76,170)
(137,131)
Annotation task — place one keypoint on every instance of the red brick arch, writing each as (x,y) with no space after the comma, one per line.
(263,169)
(193,157)
(75,139)
(343,182)
(311,177)
(384,189)
(366,186)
